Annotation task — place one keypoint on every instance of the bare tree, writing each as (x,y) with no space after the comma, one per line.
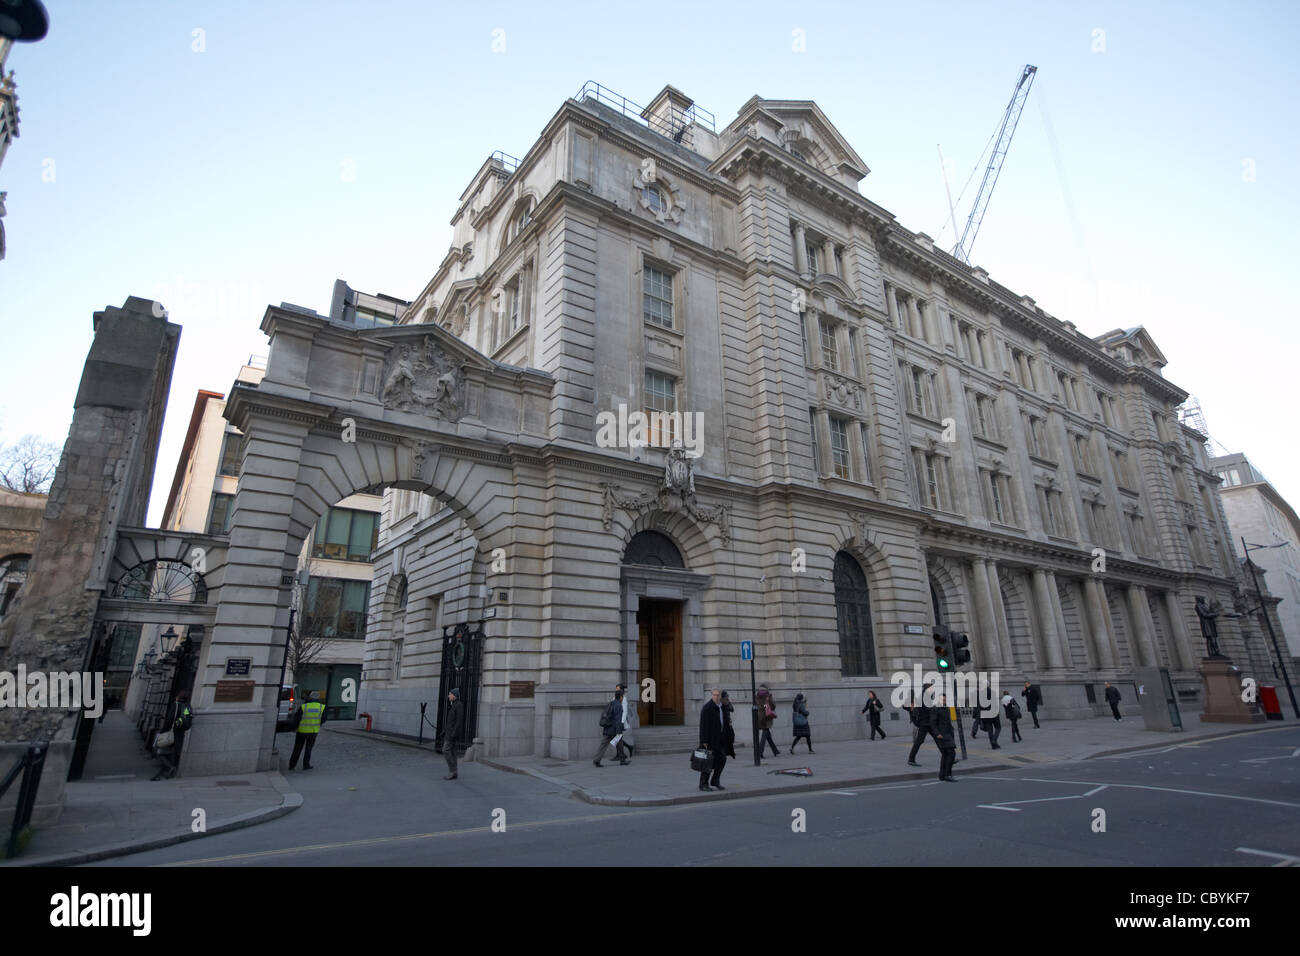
(309,638)
(29,464)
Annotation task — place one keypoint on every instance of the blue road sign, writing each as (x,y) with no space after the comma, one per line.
(746,650)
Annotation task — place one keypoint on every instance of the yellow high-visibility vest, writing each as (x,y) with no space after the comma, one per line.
(311,715)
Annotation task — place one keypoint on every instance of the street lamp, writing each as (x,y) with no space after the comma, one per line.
(168,639)
(1268,623)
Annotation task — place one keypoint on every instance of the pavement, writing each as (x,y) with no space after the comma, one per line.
(666,779)
(116,809)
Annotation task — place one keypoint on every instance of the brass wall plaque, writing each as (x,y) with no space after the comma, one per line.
(521,689)
(234,691)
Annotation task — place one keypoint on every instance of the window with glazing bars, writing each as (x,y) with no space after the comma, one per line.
(657,297)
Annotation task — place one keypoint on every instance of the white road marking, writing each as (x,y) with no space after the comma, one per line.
(1194,793)
(1282,858)
(1096,789)
(1294,753)
(845,793)
(994,806)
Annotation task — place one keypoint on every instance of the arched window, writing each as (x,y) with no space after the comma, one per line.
(653,549)
(519,222)
(853,617)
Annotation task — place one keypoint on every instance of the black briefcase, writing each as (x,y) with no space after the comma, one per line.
(701,760)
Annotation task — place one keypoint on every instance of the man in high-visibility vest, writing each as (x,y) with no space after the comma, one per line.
(310,716)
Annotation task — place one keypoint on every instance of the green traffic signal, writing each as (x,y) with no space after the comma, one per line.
(942,656)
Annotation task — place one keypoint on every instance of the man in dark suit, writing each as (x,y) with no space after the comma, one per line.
(920,715)
(945,737)
(1033,697)
(455,719)
(714,723)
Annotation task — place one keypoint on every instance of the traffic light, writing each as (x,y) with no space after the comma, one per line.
(942,649)
(960,655)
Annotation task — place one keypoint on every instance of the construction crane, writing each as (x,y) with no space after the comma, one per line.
(1008,129)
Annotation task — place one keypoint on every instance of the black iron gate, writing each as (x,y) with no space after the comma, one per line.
(462,664)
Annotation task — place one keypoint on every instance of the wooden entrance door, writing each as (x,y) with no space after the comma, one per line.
(659,656)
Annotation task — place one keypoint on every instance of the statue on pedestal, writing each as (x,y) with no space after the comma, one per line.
(1209,628)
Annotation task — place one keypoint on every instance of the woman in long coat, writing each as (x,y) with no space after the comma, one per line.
(872,709)
(801,725)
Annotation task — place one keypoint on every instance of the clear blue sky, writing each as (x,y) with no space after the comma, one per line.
(213,180)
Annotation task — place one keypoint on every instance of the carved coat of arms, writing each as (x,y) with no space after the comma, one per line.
(423,377)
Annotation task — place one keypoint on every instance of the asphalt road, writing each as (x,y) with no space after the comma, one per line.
(1229,802)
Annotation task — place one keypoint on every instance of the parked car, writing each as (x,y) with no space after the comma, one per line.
(289,699)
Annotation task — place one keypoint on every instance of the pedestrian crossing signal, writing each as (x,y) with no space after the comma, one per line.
(942,648)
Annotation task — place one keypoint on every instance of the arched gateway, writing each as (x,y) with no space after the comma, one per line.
(342,411)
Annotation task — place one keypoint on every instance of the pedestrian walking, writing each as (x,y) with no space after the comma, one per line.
(453,720)
(1033,697)
(179,719)
(974,722)
(944,738)
(623,742)
(1011,708)
(801,725)
(991,722)
(1112,698)
(311,714)
(920,717)
(714,722)
(729,734)
(611,726)
(872,709)
(766,717)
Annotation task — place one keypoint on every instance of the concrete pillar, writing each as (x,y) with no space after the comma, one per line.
(989,646)
(1143,644)
(1000,615)
(1054,593)
(1182,642)
(1104,630)
(891,306)
(800,250)
(1051,640)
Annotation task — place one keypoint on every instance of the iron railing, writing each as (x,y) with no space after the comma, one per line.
(510,163)
(29,765)
(671,126)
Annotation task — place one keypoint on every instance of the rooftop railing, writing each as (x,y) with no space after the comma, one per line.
(672,126)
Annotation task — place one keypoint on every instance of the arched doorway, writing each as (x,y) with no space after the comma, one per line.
(659,633)
(853,618)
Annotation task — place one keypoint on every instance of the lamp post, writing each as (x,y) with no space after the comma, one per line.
(1268,623)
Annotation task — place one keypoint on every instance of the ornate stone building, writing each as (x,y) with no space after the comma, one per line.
(890,440)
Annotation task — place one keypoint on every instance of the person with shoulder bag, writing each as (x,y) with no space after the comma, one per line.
(766,717)
(1011,707)
(920,717)
(872,709)
(801,725)
(611,725)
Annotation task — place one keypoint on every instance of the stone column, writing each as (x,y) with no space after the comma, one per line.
(828,254)
(1062,631)
(1103,630)
(1000,615)
(800,250)
(1051,641)
(891,306)
(988,628)
(1182,642)
(1143,645)
(1089,633)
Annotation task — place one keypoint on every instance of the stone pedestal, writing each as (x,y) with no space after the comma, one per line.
(1223,703)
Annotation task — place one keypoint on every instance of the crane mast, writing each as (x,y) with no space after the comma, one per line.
(1008,129)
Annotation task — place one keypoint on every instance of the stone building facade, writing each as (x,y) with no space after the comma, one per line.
(891,440)
(1258,513)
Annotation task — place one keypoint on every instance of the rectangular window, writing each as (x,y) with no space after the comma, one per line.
(840,448)
(661,396)
(931,482)
(996,511)
(365,319)
(345,534)
(336,609)
(918,393)
(657,297)
(223,507)
(813,251)
(830,349)
(988,423)
(230,447)
(1053,520)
